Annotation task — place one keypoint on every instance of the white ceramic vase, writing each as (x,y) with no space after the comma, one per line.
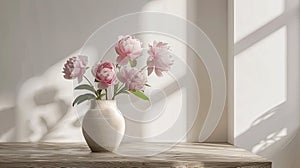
(103,126)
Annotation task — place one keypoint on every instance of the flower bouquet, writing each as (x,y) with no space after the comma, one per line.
(124,77)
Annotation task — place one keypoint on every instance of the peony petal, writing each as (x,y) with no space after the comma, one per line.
(83,60)
(105,73)
(133,78)
(118,51)
(122,60)
(158,72)
(102,85)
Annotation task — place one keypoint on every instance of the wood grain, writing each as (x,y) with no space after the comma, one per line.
(202,155)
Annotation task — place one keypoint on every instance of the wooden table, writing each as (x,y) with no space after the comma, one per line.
(203,155)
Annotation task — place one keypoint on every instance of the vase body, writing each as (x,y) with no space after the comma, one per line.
(103,126)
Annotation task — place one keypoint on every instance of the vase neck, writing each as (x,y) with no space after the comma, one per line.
(102,104)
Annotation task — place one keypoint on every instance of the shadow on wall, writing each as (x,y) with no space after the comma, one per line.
(264,133)
(47,97)
(42,111)
(270,137)
(8,123)
(275,133)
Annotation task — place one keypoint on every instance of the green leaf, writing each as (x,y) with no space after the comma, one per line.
(139,94)
(133,63)
(99,91)
(147,85)
(116,87)
(100,96)
(83,98)
(124,91)
(85,87)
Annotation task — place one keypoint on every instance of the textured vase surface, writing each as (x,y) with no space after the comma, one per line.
(103,126)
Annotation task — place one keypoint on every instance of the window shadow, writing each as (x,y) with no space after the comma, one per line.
(273,134)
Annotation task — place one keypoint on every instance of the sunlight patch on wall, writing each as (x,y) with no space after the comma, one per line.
(249,16)
(260,79)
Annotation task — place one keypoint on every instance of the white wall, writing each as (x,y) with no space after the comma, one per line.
(210,17)
(38,35)
(266,79)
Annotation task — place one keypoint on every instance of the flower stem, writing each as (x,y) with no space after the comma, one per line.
(106,94)
(88,80)
(95,91)
(117,91)
(120,90)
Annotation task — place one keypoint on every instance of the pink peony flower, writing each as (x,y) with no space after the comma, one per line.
(75,67)
(128,48)
(105,73)
(160,58)
(133,78)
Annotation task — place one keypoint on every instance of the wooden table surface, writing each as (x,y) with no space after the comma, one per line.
(203,155)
